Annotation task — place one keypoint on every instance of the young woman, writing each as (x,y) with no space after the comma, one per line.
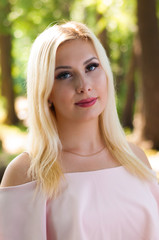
(81,179)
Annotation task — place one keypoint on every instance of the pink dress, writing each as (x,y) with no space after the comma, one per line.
(108,204)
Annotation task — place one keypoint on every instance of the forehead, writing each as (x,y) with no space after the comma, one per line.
(75,50)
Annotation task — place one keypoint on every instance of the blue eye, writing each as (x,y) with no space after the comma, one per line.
(63,75)
(92,67)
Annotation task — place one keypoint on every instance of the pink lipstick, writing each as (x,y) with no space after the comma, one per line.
(86,102)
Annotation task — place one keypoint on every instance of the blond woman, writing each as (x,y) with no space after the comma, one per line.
(80,179)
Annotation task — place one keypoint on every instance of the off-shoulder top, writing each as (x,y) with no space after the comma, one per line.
(106,204)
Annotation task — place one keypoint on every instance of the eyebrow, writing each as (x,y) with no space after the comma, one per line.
(89,60)
(68,67)
(62,67)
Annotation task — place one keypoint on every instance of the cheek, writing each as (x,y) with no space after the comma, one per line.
(102,84)
(103,91)
(60,96)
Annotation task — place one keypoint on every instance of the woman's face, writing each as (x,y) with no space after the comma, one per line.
(80,84)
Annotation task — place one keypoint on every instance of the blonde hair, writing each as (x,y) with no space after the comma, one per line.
(44,143)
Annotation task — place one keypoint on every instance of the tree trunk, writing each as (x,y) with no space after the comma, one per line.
(148,31)
(127,118)
(104,40)
(7,85)
(103,35)
(134,66)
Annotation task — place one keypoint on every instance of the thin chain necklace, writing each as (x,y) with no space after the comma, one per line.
(88,155)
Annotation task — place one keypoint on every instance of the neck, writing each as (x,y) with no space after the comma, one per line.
(82,137)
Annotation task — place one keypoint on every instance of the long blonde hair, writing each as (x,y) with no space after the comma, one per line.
(44,143)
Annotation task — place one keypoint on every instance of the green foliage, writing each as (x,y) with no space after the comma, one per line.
(5,23)
(27,18)
(2,109)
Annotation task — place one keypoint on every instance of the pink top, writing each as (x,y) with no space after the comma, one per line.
(108,204)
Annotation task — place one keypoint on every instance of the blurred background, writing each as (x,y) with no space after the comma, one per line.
(128,30)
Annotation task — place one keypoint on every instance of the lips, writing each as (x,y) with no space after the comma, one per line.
(86,102)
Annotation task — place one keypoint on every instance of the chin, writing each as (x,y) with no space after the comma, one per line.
(88,116)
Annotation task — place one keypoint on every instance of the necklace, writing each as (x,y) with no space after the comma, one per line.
(88,155)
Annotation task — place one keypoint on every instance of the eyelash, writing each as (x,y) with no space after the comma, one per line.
(95,65)
(64,75)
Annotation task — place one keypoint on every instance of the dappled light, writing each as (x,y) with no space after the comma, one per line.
(13,139)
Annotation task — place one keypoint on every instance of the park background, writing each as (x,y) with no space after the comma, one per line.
(128,30)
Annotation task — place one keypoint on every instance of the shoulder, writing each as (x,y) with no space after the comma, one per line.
(16,171)
(140,154)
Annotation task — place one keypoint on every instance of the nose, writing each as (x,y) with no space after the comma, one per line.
(83,85)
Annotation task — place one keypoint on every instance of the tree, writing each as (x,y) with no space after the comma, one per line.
(149,37)
(5,61)
(127,116)
(134,67)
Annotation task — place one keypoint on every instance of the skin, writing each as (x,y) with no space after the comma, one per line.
(81,80)
(79,75)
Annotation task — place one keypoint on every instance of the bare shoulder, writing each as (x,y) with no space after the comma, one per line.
(140,154)
(16,171)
